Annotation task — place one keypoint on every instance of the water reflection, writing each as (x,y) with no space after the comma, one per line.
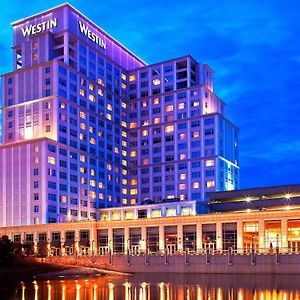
(162,287)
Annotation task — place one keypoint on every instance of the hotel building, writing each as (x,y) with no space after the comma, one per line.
(86,124)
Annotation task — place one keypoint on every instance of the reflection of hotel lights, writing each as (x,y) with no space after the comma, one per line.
(287,207)
(248,199)
(287,196)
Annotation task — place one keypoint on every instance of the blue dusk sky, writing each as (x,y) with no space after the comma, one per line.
(253,46)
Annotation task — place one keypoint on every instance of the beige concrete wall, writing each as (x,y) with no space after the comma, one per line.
(235,264)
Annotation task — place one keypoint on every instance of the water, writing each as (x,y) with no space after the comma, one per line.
(157,287)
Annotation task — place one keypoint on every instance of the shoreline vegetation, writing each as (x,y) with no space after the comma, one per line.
(17,262)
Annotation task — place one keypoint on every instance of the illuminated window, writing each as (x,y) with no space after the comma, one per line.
(182,186)
(51,160)
(145,132)
(133,181)
(82,158)
(195,103)
(92,172)
(145,161)
(182,176)
(196,134)
(101,196)
(83,180)
(186,211)
(36,160)
(36,149)
(132,201)
(129,215)
(100,81)
(123,76)
(156,101)
(169,128)
(210,163)
(63,199)
(101,185)
(182,197)
(171,212)
(124,143)
(92,194)
(124,172)
(196,185)
(92,98)
(109,107)
(182,156)
(92,129)
(82,170)
(210,183)
(109,167)
(100,133)
(124,105)
(115,215)
(169,108)
(82,115)
(62,105)
(133,153)
(82,137)
(124,153)
(108,117)
(123,86)
(156,120)
(182,136)
(156,213)
(82,92)
(144,103)
(91,87)
(132,78)
(124,124)
(181,105)
(35,56)
(156,81)
(100,92)
(133,125)
(124,181)
(133,192)
(92,183)
(124,163)
(145,123)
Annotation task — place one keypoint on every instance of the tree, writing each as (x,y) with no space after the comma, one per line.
(6,251)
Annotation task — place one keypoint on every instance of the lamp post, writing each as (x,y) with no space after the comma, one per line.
(252,243)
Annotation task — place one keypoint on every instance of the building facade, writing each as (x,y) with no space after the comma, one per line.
(86,124)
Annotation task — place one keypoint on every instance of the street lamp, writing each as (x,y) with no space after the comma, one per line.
(252,243)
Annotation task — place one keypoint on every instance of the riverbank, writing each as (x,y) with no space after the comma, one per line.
(34,268)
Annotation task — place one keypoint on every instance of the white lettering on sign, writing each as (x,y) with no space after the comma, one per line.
(91,35)
(40,27)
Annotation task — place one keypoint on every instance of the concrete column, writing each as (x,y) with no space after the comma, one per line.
(284,235)
(261,234)
(62,242)
(35,242)
(126,240)
(199,237)
(110,239)
(240,243)
(77,238)
(144,237)
(219,236)
(93,241)
(161,238)
(180,237)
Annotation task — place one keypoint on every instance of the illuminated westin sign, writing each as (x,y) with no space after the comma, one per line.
(38,28)
(47,25)
(91,35)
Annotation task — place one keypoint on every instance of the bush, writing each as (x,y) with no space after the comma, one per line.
(6,251)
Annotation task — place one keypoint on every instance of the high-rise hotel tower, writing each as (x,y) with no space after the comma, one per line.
(87,124)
